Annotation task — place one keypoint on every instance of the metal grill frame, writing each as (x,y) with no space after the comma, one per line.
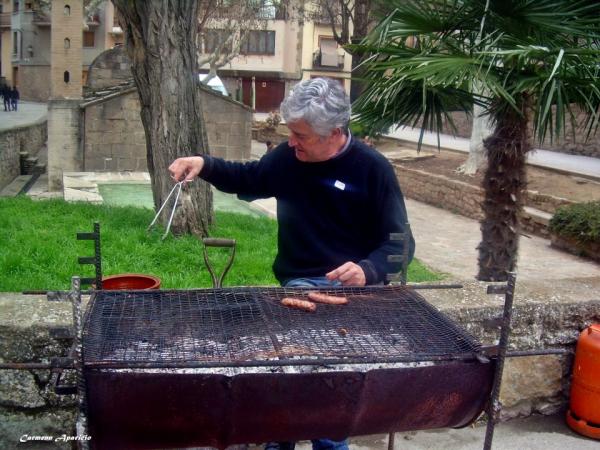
(267,301)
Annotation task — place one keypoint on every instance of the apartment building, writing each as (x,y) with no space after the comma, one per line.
(286,50)
(25,27)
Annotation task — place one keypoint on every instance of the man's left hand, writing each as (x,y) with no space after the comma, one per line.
(349,274)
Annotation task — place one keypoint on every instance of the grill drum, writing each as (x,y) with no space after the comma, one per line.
(151,410)
(136,343)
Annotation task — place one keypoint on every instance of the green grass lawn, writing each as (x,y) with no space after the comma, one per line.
(39,250)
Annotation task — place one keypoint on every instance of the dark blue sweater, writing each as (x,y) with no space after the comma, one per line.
(329,212)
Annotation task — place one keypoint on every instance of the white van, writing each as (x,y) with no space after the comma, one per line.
(215,83)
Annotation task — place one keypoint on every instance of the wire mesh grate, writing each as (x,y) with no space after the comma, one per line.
(209,327)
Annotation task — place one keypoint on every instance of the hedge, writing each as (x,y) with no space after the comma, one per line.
(580,221)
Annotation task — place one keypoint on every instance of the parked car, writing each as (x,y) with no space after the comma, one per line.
(215,83)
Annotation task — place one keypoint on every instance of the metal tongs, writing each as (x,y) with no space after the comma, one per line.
(178,186)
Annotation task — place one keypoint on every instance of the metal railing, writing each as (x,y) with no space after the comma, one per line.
(41,18)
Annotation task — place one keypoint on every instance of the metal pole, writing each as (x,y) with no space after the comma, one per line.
(81,425)
(494,405)
(97,256)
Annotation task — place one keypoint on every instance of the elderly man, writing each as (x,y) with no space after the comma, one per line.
(338,200)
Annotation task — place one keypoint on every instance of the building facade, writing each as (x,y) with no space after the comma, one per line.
(287,48)
(25,36)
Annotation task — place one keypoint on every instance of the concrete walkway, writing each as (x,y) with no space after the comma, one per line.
(531,433)
(27,113)
(582,165)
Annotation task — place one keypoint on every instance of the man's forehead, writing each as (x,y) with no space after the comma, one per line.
(300,126)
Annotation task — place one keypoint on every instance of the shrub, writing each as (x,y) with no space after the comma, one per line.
(580,221)
(272,121)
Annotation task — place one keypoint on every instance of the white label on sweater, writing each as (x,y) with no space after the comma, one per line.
(338,184)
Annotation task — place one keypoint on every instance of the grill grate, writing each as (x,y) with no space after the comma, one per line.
(249,326)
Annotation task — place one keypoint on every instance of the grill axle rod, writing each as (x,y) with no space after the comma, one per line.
(67,363)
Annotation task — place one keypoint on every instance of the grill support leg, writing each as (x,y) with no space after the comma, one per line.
(494,405)
(81,426)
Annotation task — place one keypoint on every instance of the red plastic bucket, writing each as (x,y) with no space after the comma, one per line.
(130,281)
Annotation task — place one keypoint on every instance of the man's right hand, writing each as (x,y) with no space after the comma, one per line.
(187,168)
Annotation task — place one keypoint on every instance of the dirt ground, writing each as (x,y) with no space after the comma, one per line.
(544,181)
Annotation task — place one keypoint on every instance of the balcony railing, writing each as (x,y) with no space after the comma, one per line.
(317,62)
(5,20)
(41,19)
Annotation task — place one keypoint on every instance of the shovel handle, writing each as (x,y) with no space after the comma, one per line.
(218,242)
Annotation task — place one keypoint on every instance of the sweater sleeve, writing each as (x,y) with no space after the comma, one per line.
(393,219)
(250,179)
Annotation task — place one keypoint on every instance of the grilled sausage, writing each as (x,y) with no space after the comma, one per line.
(297,303)
(328,299)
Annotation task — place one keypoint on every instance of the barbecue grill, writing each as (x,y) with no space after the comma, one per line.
(222,366)
(216,367)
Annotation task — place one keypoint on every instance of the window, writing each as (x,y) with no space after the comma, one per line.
(16,6)
(67,43)
(89,39)
(67,10)
(259,42)
(214,38)
(328,47)
(15,41)
(66,76)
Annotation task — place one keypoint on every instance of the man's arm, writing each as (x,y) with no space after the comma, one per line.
(249,179)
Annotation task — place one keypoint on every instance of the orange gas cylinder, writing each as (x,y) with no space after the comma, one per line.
(583,415)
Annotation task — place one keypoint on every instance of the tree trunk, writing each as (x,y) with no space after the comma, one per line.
(160,38)
(356,86)
(504,184)
(482,129)
(362,11)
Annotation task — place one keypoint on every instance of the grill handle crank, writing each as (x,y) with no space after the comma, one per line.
(217,242)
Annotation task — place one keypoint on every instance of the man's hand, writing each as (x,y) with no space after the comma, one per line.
(349,274)
(186,168)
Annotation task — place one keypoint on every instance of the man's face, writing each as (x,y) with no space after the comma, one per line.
(309,146)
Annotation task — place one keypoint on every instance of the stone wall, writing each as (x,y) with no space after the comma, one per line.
(34,83)
(228,126)
(109,68)
(28,405)
(547,314)
(114,138)
(572,143)
(465,199)
(29,139)
(440,191)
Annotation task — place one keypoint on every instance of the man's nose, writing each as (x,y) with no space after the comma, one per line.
(292,142)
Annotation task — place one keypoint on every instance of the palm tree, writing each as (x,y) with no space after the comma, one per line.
(537,62)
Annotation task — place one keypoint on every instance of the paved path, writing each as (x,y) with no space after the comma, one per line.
(27,113)
(531,433)
(583,165)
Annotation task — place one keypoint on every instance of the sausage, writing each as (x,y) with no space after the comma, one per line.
(297,303)
(328,299)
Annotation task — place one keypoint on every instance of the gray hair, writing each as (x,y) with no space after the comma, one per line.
(321,102)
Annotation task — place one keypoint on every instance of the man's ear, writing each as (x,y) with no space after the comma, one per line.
(336,132)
